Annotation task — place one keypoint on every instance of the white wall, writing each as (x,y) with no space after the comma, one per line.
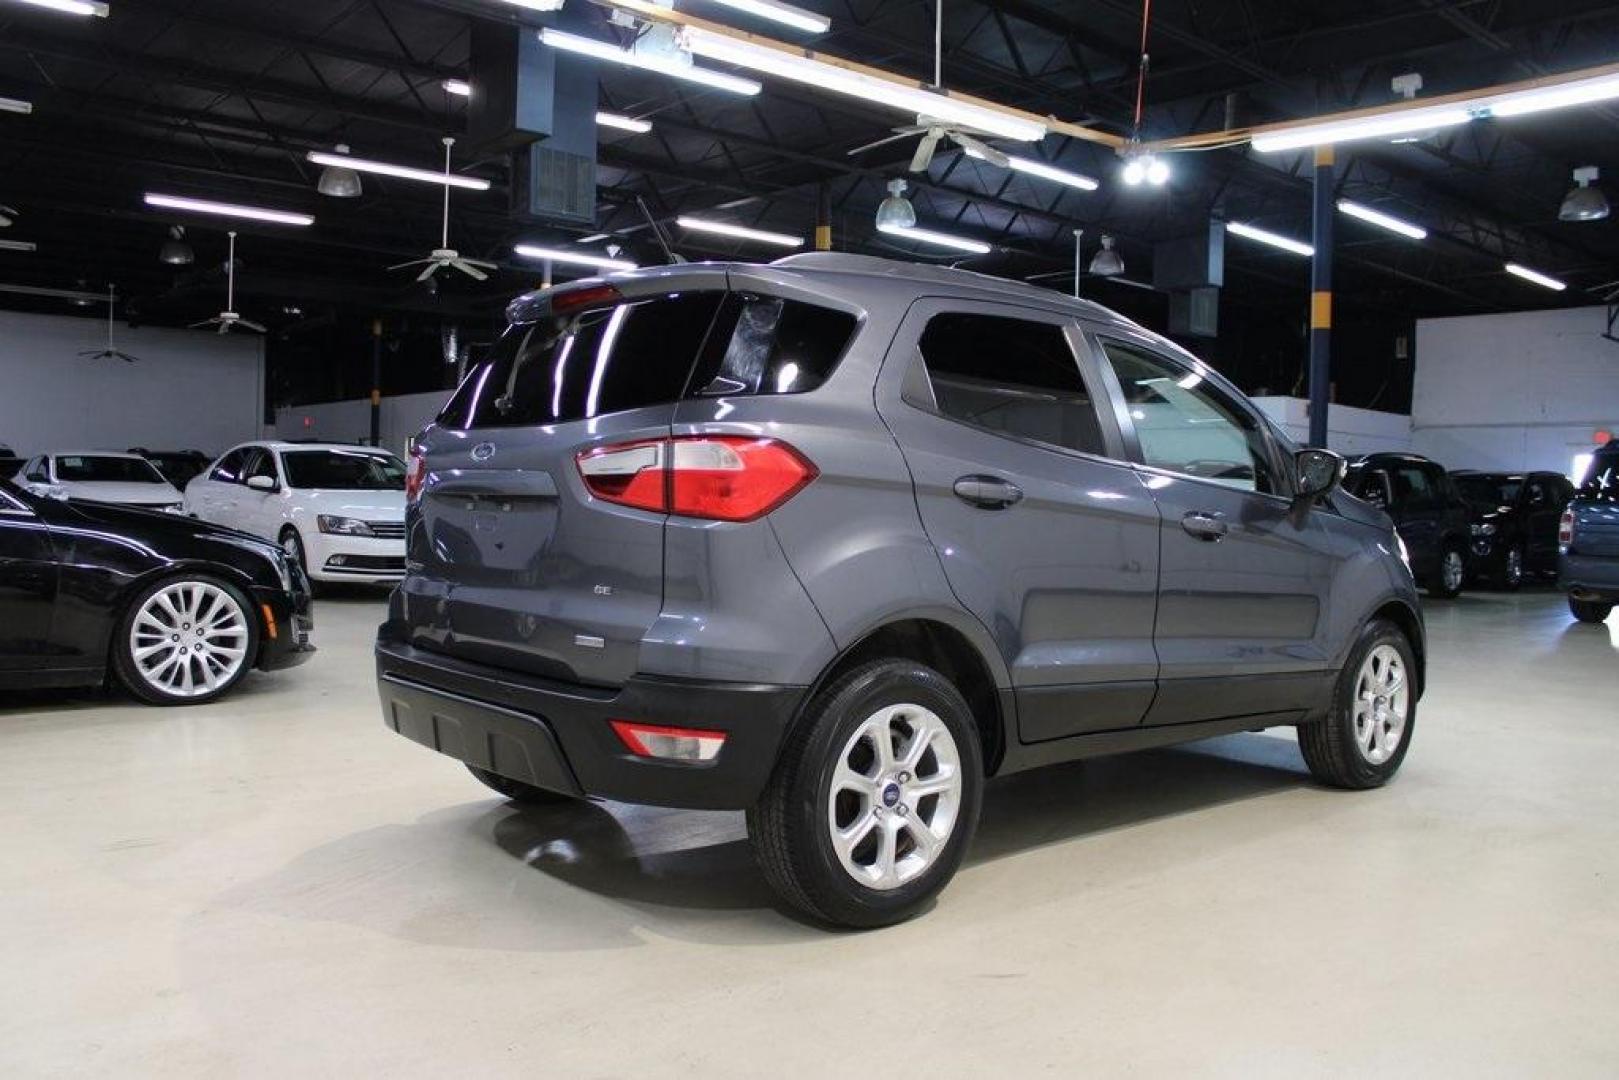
(350,421)
(1517,391)
(1349,430)
(190,390)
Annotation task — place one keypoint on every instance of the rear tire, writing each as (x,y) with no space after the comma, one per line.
(860,836)
(1368,729)
(1449,575)
(517,791)
(1589,611)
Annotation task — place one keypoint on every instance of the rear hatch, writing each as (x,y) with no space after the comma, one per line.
(511,561)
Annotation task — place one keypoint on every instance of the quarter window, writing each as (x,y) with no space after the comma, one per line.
(1187,426)
(1010,376)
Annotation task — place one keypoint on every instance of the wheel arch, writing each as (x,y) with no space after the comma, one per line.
(221,571)
(940,642)
(1404,616)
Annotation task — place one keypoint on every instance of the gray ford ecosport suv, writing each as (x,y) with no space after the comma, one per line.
(835,539)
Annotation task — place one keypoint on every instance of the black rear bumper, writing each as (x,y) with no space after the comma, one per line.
(556,735)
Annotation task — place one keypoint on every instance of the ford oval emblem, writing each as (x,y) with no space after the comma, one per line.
(483,451)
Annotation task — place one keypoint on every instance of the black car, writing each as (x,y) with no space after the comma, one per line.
(1430,514)
(1514,527)
(176,609)
(179,467)
(10,463)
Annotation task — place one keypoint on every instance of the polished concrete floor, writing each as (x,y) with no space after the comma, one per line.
(276,885)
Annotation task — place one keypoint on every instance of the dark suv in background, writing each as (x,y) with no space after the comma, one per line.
(1589,540)
(1428,511)
(835,539)
(1515,520)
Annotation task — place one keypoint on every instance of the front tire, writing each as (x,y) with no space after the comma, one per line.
(1449,575)
(874,798)
(1368,729)
(293,545)
(517,791)
(1589,611)
(186,641)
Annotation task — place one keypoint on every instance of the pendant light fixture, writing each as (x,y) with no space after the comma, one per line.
(1108,262)
(175,251)
(1585,202)
(338,182)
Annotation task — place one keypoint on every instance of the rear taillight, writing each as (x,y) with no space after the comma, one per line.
(1565,529)
(669,743)
(415,471)
(715,477)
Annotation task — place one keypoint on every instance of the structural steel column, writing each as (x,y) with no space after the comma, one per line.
(1321,299)
(376,382)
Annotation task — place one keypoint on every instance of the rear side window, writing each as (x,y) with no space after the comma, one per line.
(1601,480)
(650,352)
(772,346)
(1010,376)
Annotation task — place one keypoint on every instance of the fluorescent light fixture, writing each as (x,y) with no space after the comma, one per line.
(1038,168)
(71,7)
(602,50)
(741,232)
(13,105)
(1370,127)
(824,76)
(458,87)
(404,172)
(562,255)
(1264,236)
(1382,220)
(1580,92)
(17,245)
(207,206)
(537,5)
(623,123)
(1537,277)
(786,14)
(928,236)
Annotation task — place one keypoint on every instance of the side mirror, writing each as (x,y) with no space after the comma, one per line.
(1318,472)
(261,483)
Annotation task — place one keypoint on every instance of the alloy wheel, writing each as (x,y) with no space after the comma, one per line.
(896,792)
(189,639)
(1382,704)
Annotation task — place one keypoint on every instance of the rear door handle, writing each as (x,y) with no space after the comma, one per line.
(1205,526)
(988,492)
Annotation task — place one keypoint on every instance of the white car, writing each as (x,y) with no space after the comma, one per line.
(338,509)
(102,475)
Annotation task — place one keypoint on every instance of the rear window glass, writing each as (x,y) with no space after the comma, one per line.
(1602,478)
(650,352)
(603,361)
(116,470)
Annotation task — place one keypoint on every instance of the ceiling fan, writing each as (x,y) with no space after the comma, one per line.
(446,256)
(228,319)
(111,351)
(934,132)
